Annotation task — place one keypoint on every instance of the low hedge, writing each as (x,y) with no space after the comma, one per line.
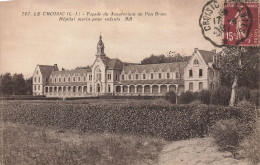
(172,122)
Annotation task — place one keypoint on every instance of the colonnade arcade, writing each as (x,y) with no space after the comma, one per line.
(146,89)
(65,90)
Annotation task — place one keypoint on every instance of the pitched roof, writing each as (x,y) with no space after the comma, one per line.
(115,64)
(156,81)
(207,56)
(155,67)
(68,84)
(71,72)
(47,69)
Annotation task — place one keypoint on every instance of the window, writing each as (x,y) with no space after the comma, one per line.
(50,79)
(116,77)
(191,86)
(212,86)
(109,76)
(129,76)
(59,80)
(143,76)
(98,88)
(35,87)
(64,79)
(90,88)
(46,80)
(69,79)
(160,75)
(168,75)
(136,76)
(123,77)
(78,78)
(151,75)
(35,79)
(90,77)
(200,85)
(200,73)
(74,79)
(55,79)
(177,75)
(39,79)
(84,78)
(190,73)
(195,62)
(39,87)
(109,88)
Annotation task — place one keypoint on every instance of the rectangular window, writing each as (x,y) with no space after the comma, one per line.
(190,73)
(90,77)
(39,79)
(129,76)
(69,79)
(78,78)
(200,85)
(123,77)
(74,79)
(151,75)
(200,73)
(109,76)
(144,76)
(39,87)
(59,80)
(35,87)
(136,76)
(160,75)
(177,75)
(35,79)
(55,79)
(168,75)
(46,80)
(64,79)
(116,77)
(84,78)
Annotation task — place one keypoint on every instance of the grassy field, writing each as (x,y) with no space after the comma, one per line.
(27,144)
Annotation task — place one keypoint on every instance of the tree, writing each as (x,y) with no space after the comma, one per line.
(239,66)
(28,87)
(6,84)
(18,84)
(170,57)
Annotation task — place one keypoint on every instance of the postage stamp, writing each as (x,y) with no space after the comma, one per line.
(228,23)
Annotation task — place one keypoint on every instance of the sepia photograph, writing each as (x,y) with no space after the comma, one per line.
(133,82)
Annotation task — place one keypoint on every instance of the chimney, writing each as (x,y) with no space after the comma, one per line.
(195,50)
(56,67)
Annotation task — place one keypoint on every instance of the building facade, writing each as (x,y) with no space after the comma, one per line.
(114,77)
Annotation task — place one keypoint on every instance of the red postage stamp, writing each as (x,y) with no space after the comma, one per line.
(241,24)
(230,23)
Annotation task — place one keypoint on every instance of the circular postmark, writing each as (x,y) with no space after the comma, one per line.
(223,23)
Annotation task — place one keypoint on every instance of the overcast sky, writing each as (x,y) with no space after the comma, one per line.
(28,41)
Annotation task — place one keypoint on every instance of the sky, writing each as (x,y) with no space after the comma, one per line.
(30,40)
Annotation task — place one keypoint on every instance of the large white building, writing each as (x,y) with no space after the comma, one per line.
(114,77)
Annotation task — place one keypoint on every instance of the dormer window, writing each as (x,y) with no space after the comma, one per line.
(144,76)
(136,76)
(129,76)
(151,75)
(168,75)
(160,75)
(196,62)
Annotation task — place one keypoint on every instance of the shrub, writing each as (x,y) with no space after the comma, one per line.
(171,122)
(204,96)
(195,102)
(227,135)
(251,145)
(245,103)
(171,96)
(221,96)
(186,97)
(254,96)
(243,93)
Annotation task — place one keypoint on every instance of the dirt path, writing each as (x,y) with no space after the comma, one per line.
(198,151)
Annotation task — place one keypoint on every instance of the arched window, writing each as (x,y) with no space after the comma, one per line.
(191,86)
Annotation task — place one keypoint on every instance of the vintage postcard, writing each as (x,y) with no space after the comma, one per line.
(133,82)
